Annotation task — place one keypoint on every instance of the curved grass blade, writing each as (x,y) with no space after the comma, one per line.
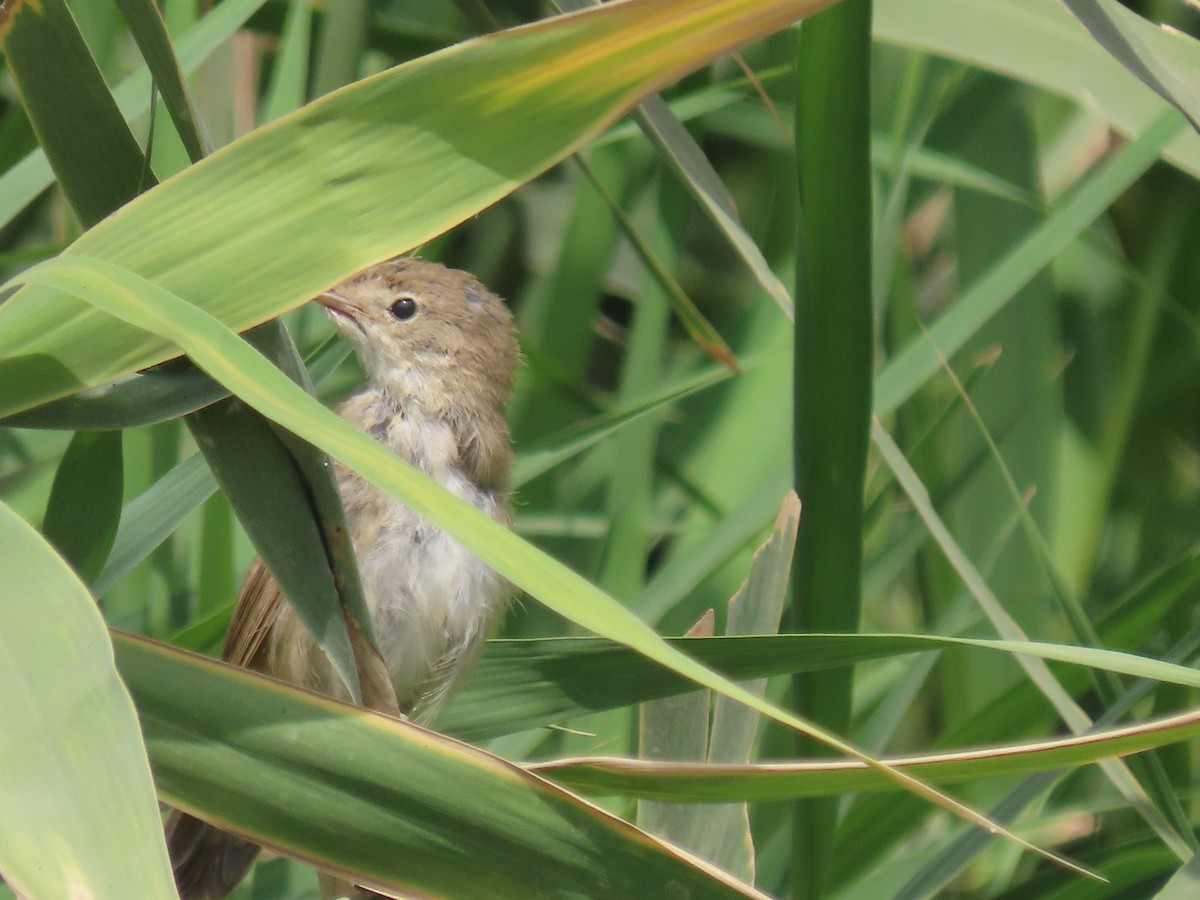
(61,87)
(378,800)
(1165,61)
(76,779)
(282,489)
(152,516)
(148,29)
(269,494)
(707,783)
(84,509)
(147,398)
(1038,43)
(524,684)
(32,175)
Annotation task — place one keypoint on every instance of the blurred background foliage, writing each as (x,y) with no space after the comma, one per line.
(1076,400)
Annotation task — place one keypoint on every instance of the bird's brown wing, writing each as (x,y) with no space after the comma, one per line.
(208,863)
(257,608)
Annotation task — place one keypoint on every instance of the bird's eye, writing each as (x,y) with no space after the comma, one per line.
(403,309)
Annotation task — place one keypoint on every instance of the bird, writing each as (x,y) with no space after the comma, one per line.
(440,352)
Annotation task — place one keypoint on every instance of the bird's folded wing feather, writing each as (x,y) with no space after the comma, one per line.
(256,611)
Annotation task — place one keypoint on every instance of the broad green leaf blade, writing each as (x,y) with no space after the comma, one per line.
(148,29)
(169,391)
(148,398)
(385,802)
(243,243)
(1168,62)
(774,781)
(153,516)
(228,358)
(64,93)
(1039,43)
(675,729)
(284,491)
(77,799)
(756,608)
(84,509)
(523,684)
(268,492)
(24,181)
(289,80)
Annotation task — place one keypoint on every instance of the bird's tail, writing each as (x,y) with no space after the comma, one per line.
(208,862)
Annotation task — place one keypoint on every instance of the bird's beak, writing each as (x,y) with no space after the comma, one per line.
(342,311)
(335,302)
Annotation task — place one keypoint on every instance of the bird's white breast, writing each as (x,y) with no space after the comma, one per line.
(432,602)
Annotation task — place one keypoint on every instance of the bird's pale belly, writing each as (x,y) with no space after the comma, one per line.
(432,602)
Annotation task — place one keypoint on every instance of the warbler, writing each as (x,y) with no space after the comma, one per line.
(440,352)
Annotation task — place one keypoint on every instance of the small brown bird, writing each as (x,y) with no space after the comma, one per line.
(440,351)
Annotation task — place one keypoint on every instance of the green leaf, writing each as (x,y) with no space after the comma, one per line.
(78,124)
(409,135)
(77,796)
(523,684)
(1041,44)
(756,608)
(774,781)
(84,509)
(392,805)
(289,79)
(675,729)
(1167,61)
(282,489)
(147,398)
(148,29)
(24,181)
(268,492)
(832,376)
